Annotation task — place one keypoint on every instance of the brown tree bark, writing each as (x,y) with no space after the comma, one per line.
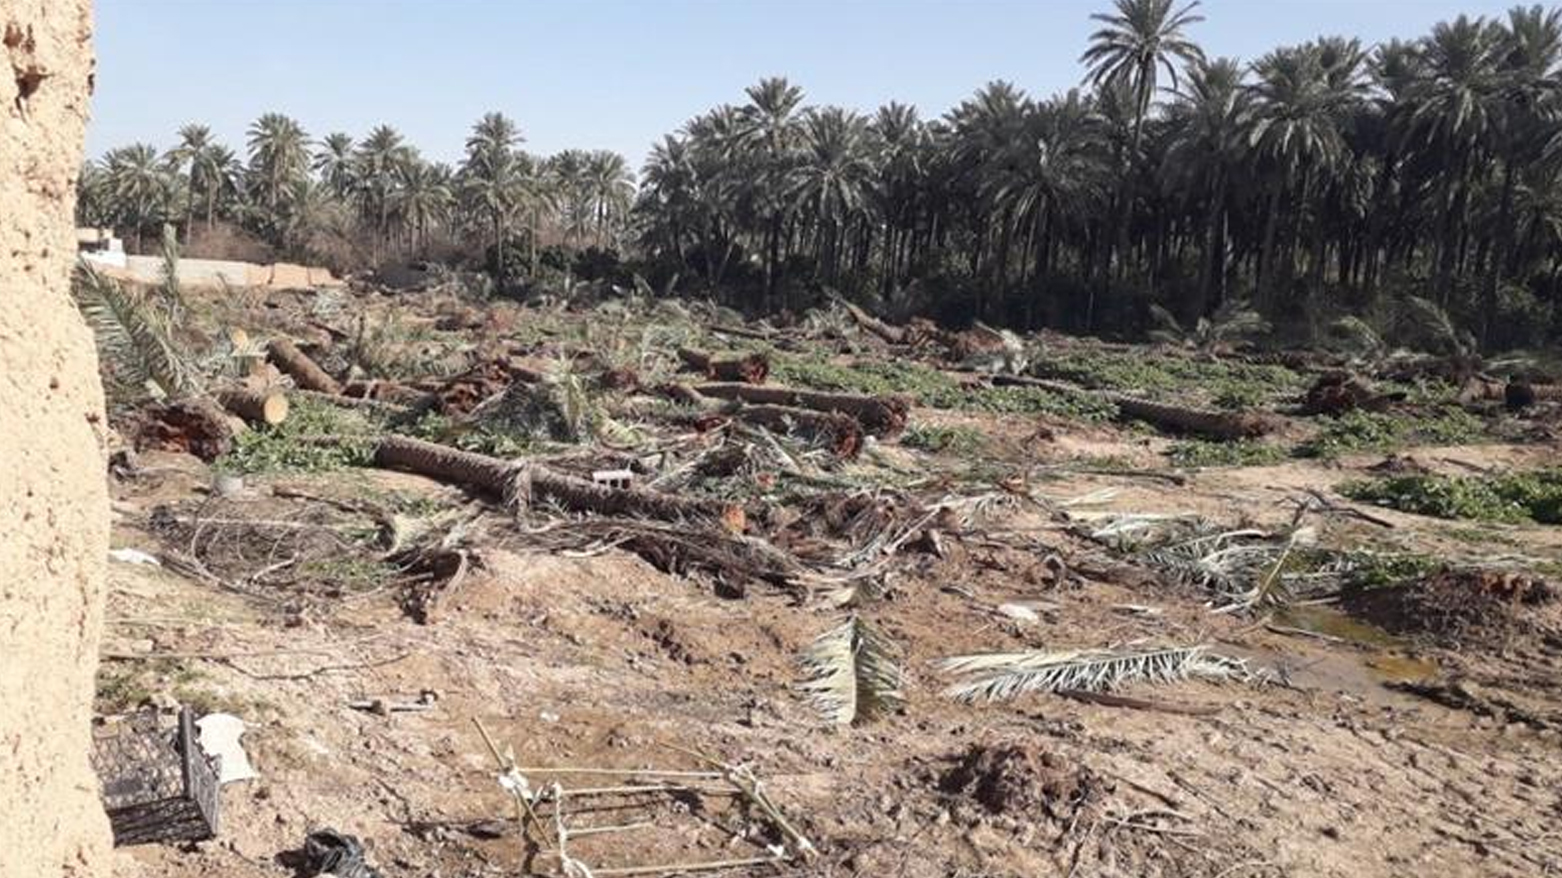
(305,372)
(750,368)
(879,415)
(521,482)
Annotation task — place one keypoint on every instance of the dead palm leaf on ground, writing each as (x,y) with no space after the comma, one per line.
(854,673)
(996,676)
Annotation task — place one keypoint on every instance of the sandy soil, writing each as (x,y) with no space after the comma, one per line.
(603,661)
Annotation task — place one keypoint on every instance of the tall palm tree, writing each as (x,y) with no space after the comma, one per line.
(1300,100)
(137,185)
(1051,174)
(1208,148)
(495,177)
(278,161)
(832,180)
(611,190)
(1138,41)
(1454,112)
(193,153)
(768,127)
(422,199)
(378,164)
(333,163)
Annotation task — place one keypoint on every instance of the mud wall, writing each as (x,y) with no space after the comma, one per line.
(53,498)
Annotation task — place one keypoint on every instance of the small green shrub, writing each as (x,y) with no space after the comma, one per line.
(315,437)
(1195,453)
(1535,495)
(939,438)
(1354,431)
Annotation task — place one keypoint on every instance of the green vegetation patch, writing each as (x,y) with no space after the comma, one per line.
(1195,453)
(1533,495)
(315,437)
(1228,383)
(933,388)
(1359,431)
(957,439)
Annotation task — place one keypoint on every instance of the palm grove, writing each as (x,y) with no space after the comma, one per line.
(1319,180)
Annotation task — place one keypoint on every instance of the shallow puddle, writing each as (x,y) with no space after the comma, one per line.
(1386,660)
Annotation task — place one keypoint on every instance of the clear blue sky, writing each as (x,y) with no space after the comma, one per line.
(618,75)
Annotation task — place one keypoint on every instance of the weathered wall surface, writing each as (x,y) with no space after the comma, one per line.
(53,498)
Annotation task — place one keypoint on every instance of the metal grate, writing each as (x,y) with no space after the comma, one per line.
(158,785)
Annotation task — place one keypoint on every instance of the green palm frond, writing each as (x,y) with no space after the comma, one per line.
(168,291)
(853,673)
(134,338)
(1166,330)
(1354,336)
(1235,320)
(1429,324)
(995,676)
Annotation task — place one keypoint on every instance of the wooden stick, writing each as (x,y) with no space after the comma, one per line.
(523,806)
(675,868)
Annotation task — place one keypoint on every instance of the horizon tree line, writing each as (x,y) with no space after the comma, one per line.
(378,192)
(1317,180)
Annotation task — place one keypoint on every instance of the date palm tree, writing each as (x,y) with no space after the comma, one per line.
(193,154)
(495,177)
(422,199)
(137,184)
(379,164)
(278,162)
(1208,148)
(333,164)
(1137,42)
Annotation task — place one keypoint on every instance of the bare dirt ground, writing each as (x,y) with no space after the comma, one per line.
(1336,767)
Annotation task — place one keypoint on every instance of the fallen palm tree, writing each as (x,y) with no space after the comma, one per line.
(294,363)
(1175,418)
(879,415)
(531,484)
(749,368)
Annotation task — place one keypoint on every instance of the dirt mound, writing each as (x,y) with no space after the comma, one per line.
(1022,781)
(1471,607)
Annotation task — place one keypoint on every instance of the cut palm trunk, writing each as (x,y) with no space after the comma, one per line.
(879,415)
(521,482)
(750,368)
(1174,418)
(306,373)
(255,406)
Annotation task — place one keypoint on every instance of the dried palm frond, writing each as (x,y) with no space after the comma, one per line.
(854,673)
(994,676)
(134,336)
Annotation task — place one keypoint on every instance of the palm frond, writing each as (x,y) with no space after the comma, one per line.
(134,339)
(1427,323)
(1354,336)
(995,676)
(853,673)
(1167,329)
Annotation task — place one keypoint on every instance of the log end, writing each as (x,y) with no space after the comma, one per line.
(274,408)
